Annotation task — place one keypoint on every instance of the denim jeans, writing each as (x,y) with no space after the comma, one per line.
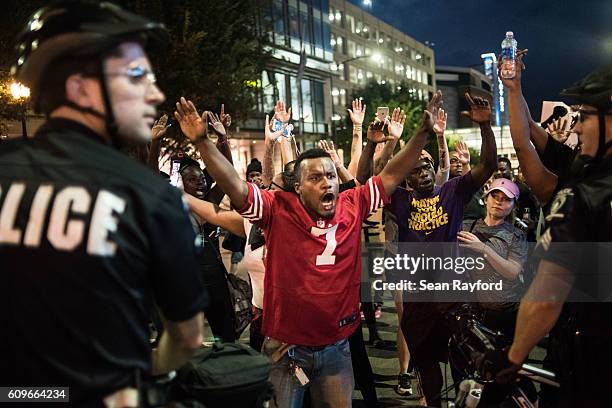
(329,370)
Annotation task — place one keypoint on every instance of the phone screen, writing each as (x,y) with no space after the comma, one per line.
(174,173)
(382,113)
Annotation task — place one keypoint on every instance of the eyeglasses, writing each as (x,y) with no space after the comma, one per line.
(137,75)
(583,113)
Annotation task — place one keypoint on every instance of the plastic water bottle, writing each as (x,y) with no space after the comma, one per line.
(508,58)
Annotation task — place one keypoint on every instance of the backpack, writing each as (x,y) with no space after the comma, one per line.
(226,375)
(241,294)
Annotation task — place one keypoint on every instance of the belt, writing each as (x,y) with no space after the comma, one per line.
(316,348)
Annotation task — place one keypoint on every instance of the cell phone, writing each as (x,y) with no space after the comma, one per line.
(382,113)
(175,176)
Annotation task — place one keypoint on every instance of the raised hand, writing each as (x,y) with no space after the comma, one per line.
(192,125)
(463,152)
(358,112)
(226,118)
(272,136)
(396,125)
(558,130)
(375,133)
(329,149)
(514,83)
(480,109)
(431,111)
(440,122)
(280,113)
(160,127)
(216,124)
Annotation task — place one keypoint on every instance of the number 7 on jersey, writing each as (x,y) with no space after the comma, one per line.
(327,257)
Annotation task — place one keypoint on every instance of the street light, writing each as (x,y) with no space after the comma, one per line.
(19,92)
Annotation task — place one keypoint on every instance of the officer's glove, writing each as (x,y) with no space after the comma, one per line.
(494,365)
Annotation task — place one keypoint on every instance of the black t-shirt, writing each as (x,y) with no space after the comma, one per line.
(89,240)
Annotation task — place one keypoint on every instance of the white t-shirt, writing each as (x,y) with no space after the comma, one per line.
(253,260)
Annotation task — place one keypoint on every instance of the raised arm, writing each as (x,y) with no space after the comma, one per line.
(357,115)
(224,173)
(343,173)
(159,129)
(375,135)
(443,157)
(464,156)
(212,214)
(541,180)
(216,194)
(398,168)
(480,112)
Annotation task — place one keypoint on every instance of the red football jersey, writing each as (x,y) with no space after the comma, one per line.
(313,268)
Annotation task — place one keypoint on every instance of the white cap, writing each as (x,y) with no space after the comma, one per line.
(509,34)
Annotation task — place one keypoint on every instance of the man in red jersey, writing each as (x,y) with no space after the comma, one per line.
(313,262)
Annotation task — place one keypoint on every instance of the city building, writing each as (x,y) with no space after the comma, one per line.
(366,48)
(454,82)
(500,99)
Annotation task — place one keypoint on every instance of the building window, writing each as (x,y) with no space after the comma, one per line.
(337,43)
(335,16)
(338,68)
(359,50)
(278,16)
(339,98)
(351,48)
(366,32)
(350,23)
(360,77)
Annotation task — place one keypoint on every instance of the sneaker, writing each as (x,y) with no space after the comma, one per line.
(404,386)
(376,341)
(378,311)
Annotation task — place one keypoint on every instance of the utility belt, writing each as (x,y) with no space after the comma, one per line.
(276,349)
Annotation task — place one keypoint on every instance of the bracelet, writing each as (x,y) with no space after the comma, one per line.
(356,128)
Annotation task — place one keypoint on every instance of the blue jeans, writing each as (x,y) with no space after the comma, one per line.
(329,370)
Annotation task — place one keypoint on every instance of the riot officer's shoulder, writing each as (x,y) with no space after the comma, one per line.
(562,204)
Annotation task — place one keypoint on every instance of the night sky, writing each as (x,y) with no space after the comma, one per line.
(566,39)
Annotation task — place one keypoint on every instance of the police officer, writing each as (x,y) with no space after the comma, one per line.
(89,238)
(569,293)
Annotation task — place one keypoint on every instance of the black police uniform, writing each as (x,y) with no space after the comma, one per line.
(89,240)
(579,239)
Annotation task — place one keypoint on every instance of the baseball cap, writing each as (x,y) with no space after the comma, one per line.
(508,187)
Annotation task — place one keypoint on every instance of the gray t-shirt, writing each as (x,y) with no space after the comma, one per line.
(510,243)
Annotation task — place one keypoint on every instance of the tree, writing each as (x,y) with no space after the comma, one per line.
(375,95)
(215,49)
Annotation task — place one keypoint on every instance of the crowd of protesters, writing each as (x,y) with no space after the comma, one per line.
(90,233)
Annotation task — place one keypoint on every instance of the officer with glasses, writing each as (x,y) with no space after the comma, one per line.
(91,240)
(570,294)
